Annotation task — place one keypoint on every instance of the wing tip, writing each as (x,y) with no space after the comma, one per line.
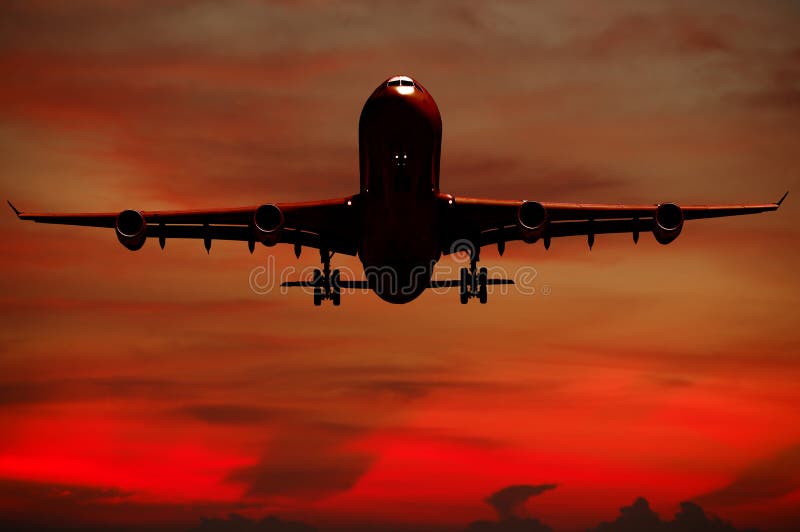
(782,198)
(16,211)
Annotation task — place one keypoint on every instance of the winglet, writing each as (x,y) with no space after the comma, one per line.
(782,198)
(16,211)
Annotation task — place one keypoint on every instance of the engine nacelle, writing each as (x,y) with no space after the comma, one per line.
(667,223)
(532,220)
(131,229)
(267,224)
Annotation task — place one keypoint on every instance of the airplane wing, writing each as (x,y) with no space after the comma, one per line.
(327,224)
(486,222)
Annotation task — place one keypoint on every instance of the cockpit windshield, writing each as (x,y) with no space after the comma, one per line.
(403,81)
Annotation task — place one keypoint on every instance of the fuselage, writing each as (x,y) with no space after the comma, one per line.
(400,139)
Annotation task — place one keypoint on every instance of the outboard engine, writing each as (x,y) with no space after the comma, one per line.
(668,222)
(131,229)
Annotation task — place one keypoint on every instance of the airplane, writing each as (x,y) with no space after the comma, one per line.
(399,223)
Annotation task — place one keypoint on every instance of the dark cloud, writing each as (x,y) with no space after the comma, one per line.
(634,518)
(639,517)
(404,389)
(46,494)
(509,502)
(692,518)
(768,479)
(237,523)
(88,389)
(228,414)
(31,505)
(416,388)
(51,506)
(527,524)
(305,464)
(36,526)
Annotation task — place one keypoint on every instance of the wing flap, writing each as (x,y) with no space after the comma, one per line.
(599,227)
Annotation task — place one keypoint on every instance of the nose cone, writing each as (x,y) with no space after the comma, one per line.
(399,100)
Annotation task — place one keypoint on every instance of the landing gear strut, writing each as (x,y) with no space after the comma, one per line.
(326,282)
(473,281)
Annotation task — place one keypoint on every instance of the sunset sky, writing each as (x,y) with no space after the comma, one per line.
(155,388)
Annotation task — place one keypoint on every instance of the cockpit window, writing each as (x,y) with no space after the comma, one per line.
(402,81)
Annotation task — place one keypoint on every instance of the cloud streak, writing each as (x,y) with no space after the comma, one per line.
(509,502)
(767,479)
(305,464)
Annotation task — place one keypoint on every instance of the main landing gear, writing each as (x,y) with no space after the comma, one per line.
(473,282)
(326,283)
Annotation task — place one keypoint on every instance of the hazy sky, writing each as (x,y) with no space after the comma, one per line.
(155,387)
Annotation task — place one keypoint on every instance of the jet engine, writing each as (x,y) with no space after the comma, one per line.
(131,229)
(668,222)
(267,224)
(532,220)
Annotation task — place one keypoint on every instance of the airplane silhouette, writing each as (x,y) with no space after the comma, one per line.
(399,223)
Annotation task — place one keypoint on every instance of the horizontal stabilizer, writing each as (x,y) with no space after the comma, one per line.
(300,284)
(343,284)
(455,283)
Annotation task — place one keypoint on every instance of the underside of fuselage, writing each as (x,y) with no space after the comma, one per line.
(400,135)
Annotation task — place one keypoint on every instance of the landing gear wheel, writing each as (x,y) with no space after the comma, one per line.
(463,286)
(327,284)
(483,278)
(318,296)
(319,292)
(336,292)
